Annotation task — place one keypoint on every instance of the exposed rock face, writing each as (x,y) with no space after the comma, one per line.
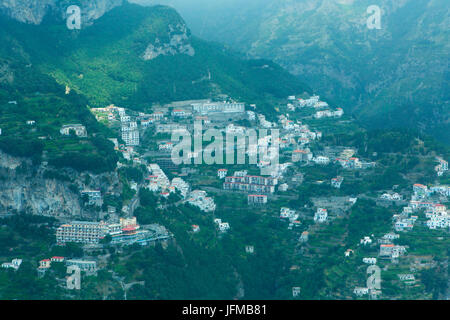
(34,11)
(178,44)
(28,11)
(24,188)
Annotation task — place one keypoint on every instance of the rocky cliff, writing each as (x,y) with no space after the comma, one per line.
(179,43)
(34,11)
(26,188)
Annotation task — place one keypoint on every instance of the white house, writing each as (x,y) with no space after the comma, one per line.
(222,173)
(14,264)
(322,160)
(366,240)
(321,215)
(361,291)
(370,260)
(79,130)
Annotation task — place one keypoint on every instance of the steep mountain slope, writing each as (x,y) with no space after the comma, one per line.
(34,12)
(33,107)
(398,75)
(131,56)
(135,56)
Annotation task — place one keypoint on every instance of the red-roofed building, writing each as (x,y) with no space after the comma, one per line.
(45,264)
(57,259)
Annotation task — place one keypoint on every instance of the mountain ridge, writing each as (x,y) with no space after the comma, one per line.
(378,75)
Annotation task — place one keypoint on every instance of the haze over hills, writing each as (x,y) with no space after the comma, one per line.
(396,76)
(88,156)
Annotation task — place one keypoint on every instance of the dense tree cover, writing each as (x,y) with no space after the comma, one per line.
(132,174)
(435,281)
(108,55)
(24,284)
(365,219)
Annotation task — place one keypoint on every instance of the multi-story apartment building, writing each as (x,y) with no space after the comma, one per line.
(257,199)
(130,133)
(218,107)
(81,232)
(247,183)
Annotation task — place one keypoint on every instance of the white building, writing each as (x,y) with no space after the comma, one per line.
(358,291)
(296,291)
(365,241)
(322,160)
(79,130)
(257,199)
(370,260)
(321,215)
(218,107)
(130,133)
(14,264)
(336,182)
(199,199)
(222,173)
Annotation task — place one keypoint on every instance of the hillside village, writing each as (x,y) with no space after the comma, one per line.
(307,159)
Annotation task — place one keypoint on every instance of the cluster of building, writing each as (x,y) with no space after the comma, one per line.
(436,213)
(127,231)
(94,197)
(404,222)
(312,102)
(438,217)
(87,266)
(181,186)
(441,167)
(355,163)
(392,251)
(302,155)
(291,215)
(200,199)
(422,192)
(391,196)
(257,199)
(329,114)
(166,146)
(408,278)
(46,264)
(263,122)
(157,179)
(388,238)
(247,183)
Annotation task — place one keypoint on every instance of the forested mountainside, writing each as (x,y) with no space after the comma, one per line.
(131,56)
(395,76)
